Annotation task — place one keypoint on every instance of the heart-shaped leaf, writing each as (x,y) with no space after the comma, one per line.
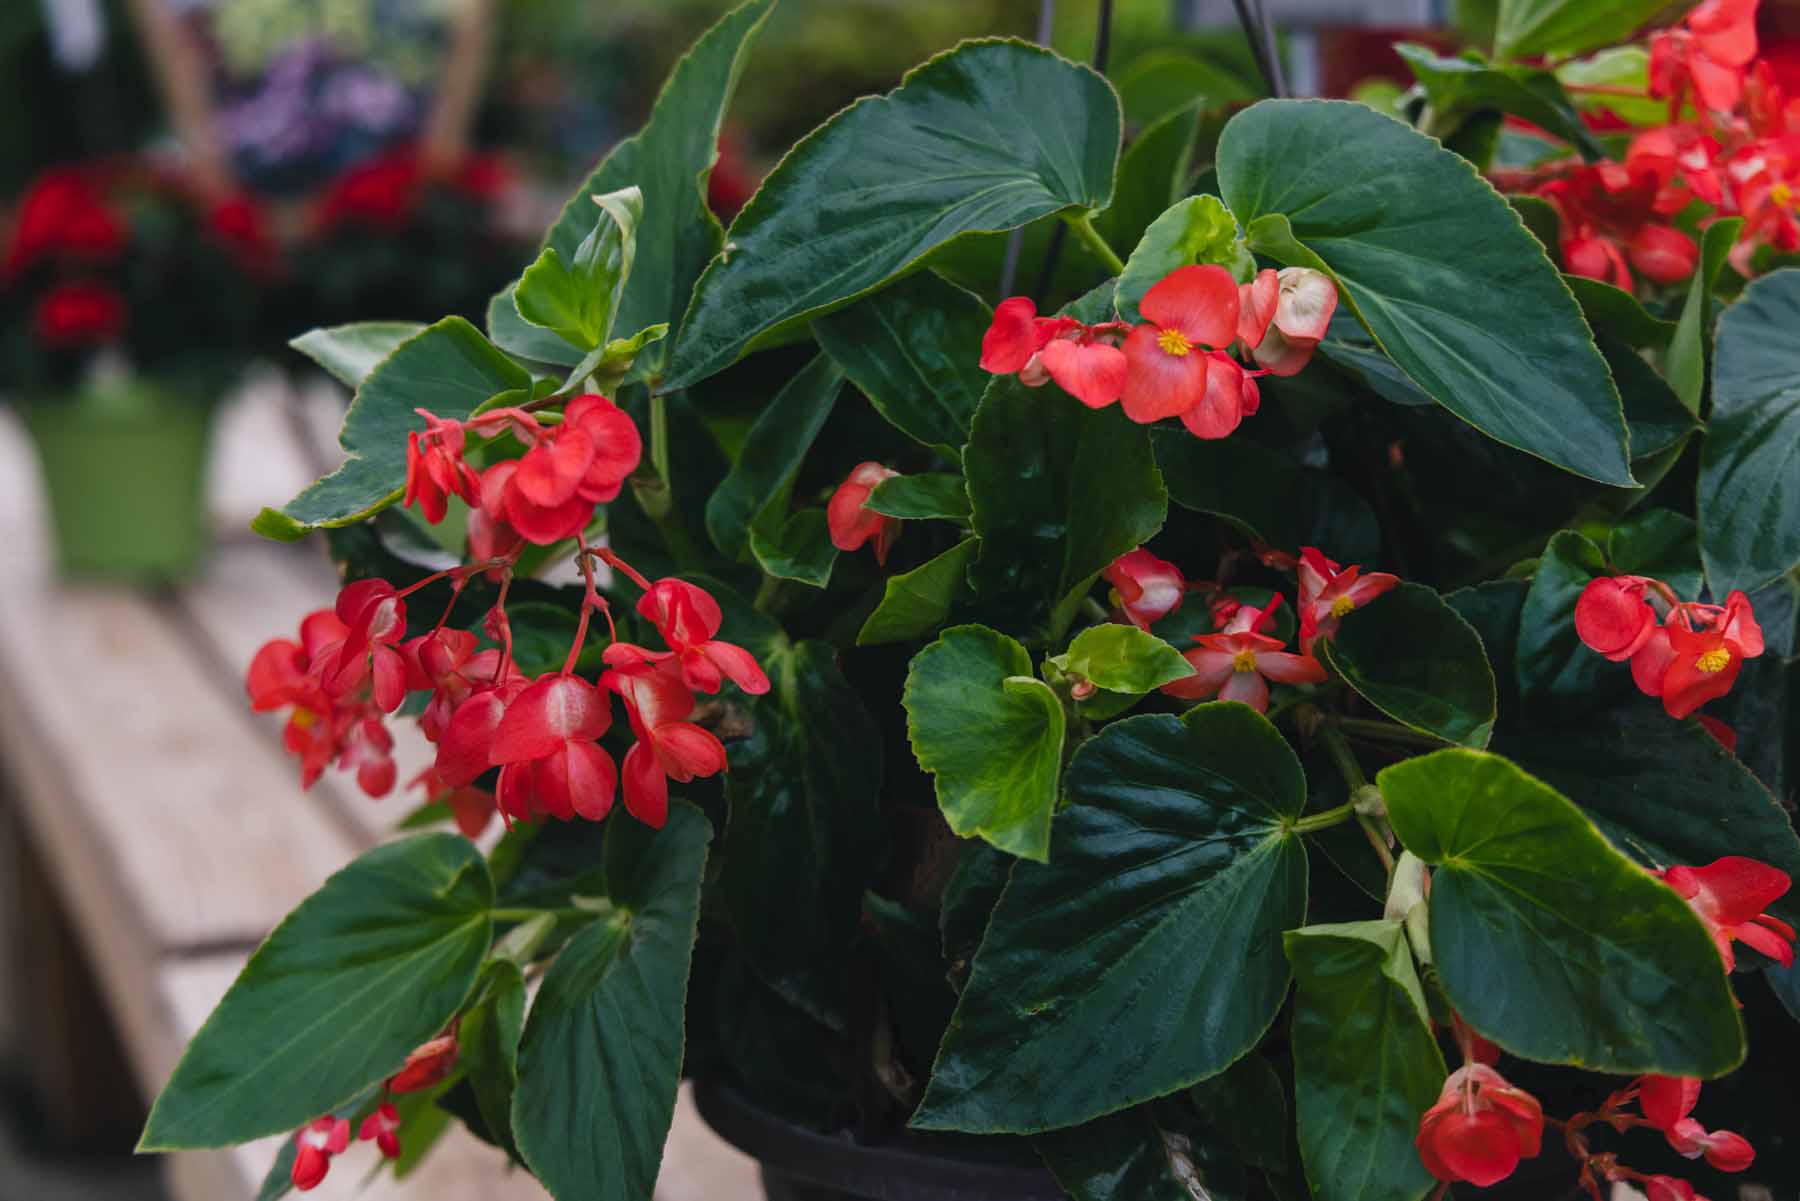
(1441,272)
(1365,1062)
(913,603)
(362,972)
(1550,942)
(1171,878)
(868,194)
(1411,656)
(992,734)
(1122,658)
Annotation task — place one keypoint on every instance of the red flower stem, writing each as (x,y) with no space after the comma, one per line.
(506,641)
(590,601)
(456,591)
(606,555)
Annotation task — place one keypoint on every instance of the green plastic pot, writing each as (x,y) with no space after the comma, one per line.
(124,464)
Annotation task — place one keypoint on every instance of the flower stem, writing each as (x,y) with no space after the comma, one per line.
(1324,820)
(1341,754)
(1382,731)
(1083,225)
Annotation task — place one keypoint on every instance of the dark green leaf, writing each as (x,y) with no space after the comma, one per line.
(1411,656)
(763,475)
(1654,414)
(1460,86)
(601,1055)
(1526,28)
(806,828)
(1551,660)
(913,603)
(670,159)
(1349,346)
(1548,940)
(969,898)
(992,734)
(1123,1156)
(1750,463)
(1365,1062)
(448,367)
(1159,81)
(1663,792)
(1685,365)
(488,1043)
(577,298)
(1198,229)
(1441,272)
(921,497)
(1542,219)
(1153,174)
(350,352)
(366,969)
(914,349)
(1249,1104)
(868,194)
(1032,465)
(1661,544)
(793,546)
(1617,314)
(1171,877)
(1122,658)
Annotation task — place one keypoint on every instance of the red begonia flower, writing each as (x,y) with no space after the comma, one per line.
(1190,311)
(1231,395)
(61,215)
(1669,1188)
(1724,1150)
(1598,258)
(688,617)
(1146,589)
(1704,664)
(668,746)
(1666,1100)
(1237,664)
(426,1065)
(1613,617)
(1012,337)
(547,745)
(1087,365)
(368,750)
(852,522)
(1729,896)
(435,468)
(315,1143)
(466,743)
(1305,302)
(448,664)
(78,314)
(1663,254)
(242,227)
(1328,593)
(375,619)
(383,1126)
(1480,1128)
(1257,301)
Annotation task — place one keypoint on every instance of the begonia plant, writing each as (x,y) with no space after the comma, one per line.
(1302,711)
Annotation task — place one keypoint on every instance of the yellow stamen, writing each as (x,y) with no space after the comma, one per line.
(1244,661)
(1782,195)
(1713,660)
(1341,606)
(1174,342)
(303,717)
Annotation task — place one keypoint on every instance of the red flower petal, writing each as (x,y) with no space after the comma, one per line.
(1091,372)
(1159,384)
(1201,302)
(1011,338)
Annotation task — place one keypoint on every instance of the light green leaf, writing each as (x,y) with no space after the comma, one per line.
(1196,230)
(1550,942)
(518,337)
(350,352)
(1617,80)
(1457,87)
(366,969)
(1686,362)
(1172,875)
(578,299)
(1122,658)
(913,603)
(1526,28)
(960,146)
(992,735)
(1441,272)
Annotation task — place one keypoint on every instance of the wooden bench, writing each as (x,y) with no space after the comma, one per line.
(169,820)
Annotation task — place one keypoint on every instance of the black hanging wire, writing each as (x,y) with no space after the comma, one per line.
(1257,31)
(1102,51)
(1015,241)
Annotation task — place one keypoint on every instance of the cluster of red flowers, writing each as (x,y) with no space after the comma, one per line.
(385,193)
(1177,362)
(1237,661)
(1685,652)
(317,1142)
(354,664)
(1739,154)
(1481,1126)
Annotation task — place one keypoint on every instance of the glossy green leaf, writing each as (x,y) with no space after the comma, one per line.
(1123,1156)
(1461,86)
(448,367)
(806,827)
(1657,419)
(1661,544)
(1663,792)
(488,1047)
(914,349)
(763,475)
(1616,313)
(1032,464)
(1365,1062)
(1414,658)
(794,546)
(1548,940)
(1685,365)
(350,352)
(992,735)
(1249,1104)
(1153,174)
(922,497)
(1122,658)
(520,338)
(670,160)
(868,194)
(362,972)
(601,1055)
(1198,229)
(577,298)
(1750,462)
(1171,878)
(1531,27)
(914,603)
(1440,271)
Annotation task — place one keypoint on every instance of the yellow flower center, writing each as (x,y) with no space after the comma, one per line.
(1713,660)
(1174,342)
(303,717)
(1782,195)
(1341,606)
(1244,661)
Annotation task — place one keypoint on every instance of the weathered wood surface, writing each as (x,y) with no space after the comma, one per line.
(172,823)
